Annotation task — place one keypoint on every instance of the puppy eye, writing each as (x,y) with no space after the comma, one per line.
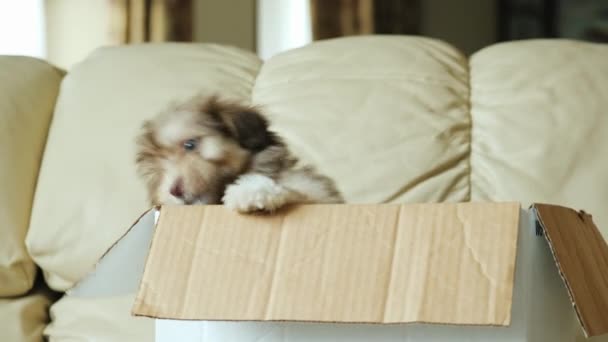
(190,144)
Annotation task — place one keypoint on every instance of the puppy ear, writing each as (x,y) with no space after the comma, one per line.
(244,124)
(251,130)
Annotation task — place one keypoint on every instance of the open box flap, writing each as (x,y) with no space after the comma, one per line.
(118,271)
(581,255)
(449,263)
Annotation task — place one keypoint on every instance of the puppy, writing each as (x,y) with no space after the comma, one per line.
(211,151)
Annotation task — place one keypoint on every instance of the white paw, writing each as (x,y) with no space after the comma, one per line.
(255,192)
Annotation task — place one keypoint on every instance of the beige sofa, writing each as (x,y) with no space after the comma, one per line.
(392,119)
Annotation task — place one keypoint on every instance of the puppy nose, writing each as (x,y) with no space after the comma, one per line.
(177,189)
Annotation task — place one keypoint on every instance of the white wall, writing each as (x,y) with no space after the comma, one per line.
(77,27)
(74,28)
(282,25)
(22,28)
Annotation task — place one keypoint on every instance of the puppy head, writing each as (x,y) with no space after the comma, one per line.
(191,151)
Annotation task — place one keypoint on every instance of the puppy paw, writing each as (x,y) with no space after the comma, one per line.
(255,192)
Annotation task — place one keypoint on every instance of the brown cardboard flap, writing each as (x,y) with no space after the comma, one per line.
(434,263)
(581,254)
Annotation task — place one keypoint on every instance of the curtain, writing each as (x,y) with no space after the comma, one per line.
(139,21)
(336,18)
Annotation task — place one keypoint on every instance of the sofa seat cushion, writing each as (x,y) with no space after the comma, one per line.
(23,318)
(97,319)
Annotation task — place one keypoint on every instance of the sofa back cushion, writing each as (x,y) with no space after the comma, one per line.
(361,115)
(391,119)
(540,124)
(28,90)
(88,192)
(386,117)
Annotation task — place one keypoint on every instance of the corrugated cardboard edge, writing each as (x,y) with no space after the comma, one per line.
(155,208)
(592,326)
(139,307)
(137,301)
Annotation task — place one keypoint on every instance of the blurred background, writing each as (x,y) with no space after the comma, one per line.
(66,31)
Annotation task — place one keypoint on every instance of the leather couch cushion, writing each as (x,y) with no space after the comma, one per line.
(97,319)
(341,108)
(391,119)
(88,193)
(540,124)
(23,318)
(28,90)
(386,117)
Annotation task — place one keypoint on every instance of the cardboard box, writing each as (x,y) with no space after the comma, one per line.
(416,272)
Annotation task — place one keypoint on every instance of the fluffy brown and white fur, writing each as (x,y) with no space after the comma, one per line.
(212,151)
